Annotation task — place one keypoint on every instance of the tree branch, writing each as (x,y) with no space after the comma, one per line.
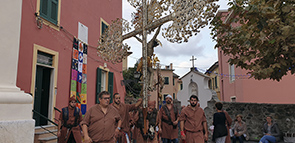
(138,39)
(156,34)
(151,26)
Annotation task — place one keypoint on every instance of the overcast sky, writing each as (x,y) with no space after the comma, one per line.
(200,46)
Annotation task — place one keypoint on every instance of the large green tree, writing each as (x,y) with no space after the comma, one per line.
(259,36)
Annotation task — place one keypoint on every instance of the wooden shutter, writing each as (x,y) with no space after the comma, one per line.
(54,11)
(49,10)
(216,82)
(111,85)
(98,84)
(44,8)
(166,80)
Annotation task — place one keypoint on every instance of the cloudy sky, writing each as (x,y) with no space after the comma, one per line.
(200,46)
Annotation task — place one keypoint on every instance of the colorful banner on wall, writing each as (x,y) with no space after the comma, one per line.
(79,74)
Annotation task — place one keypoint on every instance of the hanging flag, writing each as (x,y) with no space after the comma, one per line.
(79,74)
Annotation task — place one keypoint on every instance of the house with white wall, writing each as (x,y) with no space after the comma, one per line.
(194,83)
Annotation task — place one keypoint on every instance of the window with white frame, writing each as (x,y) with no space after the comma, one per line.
(232,72)
(233,98)
(103,80)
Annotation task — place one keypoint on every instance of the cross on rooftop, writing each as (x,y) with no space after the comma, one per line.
(193,59)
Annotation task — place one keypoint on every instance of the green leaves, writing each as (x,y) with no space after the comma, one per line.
(261,39)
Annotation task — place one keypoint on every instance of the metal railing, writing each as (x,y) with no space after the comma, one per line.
(57,109)
(34,111)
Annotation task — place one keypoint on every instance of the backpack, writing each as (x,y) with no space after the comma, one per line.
(65,112)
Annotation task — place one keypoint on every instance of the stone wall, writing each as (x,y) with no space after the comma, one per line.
(254,115)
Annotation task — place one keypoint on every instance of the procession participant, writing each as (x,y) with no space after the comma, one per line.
(193,120)
(99,123)
(168,121)
(69,130)
(124,110)
(151,122)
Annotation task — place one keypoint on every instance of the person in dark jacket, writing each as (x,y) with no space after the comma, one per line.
(69,130)
(219,119)
(271,131)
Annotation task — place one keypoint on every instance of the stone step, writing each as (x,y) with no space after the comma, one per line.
(49,127)
(52,139)
(44,136)
(45,133)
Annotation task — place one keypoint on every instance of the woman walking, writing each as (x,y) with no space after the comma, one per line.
(219,120)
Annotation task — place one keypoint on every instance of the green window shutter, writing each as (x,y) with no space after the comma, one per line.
(181,86)
(44,8)
(216,82)
(98,84)
(49,10)
(173,81)
(54,11)
(209,83)
(111,85)
(166,80)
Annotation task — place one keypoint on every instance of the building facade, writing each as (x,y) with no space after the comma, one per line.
(58,56)
(214,82)
(171,84)
(194,83)
(235,84)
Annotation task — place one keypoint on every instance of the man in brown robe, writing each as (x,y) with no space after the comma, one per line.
(69,130)
(193,121)
(124,110)
(168,121)
(101,122)
(151,123)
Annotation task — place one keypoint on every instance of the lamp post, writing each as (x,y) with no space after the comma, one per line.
(137,74)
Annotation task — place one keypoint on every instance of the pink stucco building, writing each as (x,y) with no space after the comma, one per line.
(235,84)
(171,84)
(48,29)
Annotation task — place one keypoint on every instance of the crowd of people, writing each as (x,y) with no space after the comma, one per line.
(118,122)
(223,133)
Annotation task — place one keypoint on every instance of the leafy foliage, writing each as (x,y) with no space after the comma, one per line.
(133,88)
(259,36)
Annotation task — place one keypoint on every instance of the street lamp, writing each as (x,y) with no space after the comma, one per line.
(137,74)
